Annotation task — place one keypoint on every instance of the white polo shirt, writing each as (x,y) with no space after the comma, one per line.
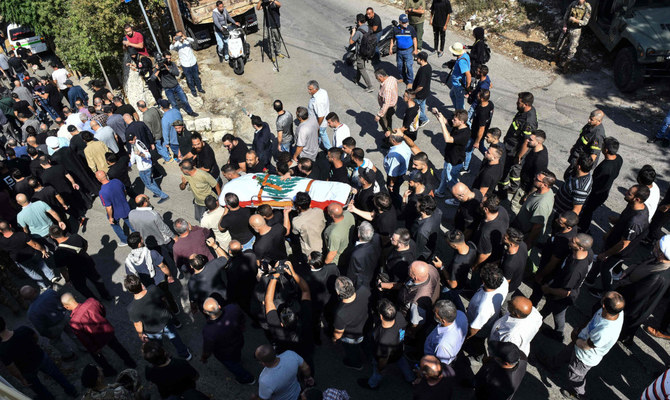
(319,106)
(519,331)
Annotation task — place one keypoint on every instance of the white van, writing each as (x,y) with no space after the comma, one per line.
(22,36)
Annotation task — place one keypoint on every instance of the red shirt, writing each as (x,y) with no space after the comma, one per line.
(194,243)
(90,325)
(138,38)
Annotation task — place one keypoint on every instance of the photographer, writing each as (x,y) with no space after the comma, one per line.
(271,17)
(189,64)
(221,19)
(166,72)
(358,35)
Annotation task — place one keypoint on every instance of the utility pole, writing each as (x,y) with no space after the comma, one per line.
(175,14)
(158,48)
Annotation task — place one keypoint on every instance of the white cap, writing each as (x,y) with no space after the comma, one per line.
(664,244)
(52,142)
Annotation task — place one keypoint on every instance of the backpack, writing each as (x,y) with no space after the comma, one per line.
(481,53)
(368,45)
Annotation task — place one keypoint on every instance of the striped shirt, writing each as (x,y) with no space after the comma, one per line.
(573,192)
(388,95)
(659,389)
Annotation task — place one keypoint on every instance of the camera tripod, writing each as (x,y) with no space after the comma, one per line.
(273,48)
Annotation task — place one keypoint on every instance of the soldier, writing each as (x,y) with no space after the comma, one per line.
(590,141)
(576,17)
(523,126)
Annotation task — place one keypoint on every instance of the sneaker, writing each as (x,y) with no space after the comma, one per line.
(616,276)
(280,55)
(163,200)
(273,59)
(463,171)
(440,195)
(598,294)
(194,94)
(452,202)
(440,54)
(56,279)
(193,114)
(424,123)
(652,140)
(189,357)
(253,382)
(369,90)
(155,196)
(363,382)
(220,58)
(202,91)
(122,244)
(570,395)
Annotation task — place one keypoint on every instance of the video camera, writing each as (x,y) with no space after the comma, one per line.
(350,28)
(269,269)
(160,61)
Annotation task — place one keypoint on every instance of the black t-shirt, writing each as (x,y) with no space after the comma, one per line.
(388,341)
(558,246)
(119,170)
(422,80)
(488,176)
(410,115)
(410,214)
(398,262)
(432,177)
(536,162)
(443,390)
(454,153)
(126,109)
(207,159)
(572,274)
(514,265)
(33,59)
(363,199)
(339,174)
(47,195)
(522,126)
(237,223)
(76,262)
(55,176)
(299,340)
(102,93)
(17,246)
(439,11)
(273,19)
(271,245)
(22,107)
(173,379)
(184,141)
(351,317)
(461,265)
(375,21)
(482,117)
(321,284)
(22,186)
(490,235)
(604,175)
(22,350)
(630,225)
(493,382)
(17,65)
(151,310)
(241,274)
(385,223)
(238,154)
(209,281)
(469,212)
(54,99)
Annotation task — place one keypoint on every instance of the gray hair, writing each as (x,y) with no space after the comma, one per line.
(83,117)
(446,310)
(313,84)
(365,231)
(181,226)
(344,287)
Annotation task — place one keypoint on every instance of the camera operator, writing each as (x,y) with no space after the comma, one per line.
(144,68)
(221,19)
(189,64)
(356,38)
(290,330)
(166,72)
(271,17)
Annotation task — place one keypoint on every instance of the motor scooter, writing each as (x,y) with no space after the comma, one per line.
(238,48)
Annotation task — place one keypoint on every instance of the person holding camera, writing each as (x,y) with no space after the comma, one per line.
(271,19)
(166,72)
(189,64)
(358,34)
(221,19)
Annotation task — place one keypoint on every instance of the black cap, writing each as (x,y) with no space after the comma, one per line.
(71,128)
(417,176)
(507,352)
(367,173)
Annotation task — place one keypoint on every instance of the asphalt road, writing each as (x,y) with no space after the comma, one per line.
(315,33)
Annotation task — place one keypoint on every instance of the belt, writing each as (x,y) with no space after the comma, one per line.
(405,49)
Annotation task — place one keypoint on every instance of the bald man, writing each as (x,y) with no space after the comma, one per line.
(434,383)
(269,244)
(416,298)
(469,212)
(338,234)
(91,327)
(223,337)
(113,198)
(34,217)
(279,378)
(590,140)
(519,325)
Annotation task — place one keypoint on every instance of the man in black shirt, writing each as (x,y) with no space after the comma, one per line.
(172,377)
(481,121)
(364,257)
(321,282)
(236,221)
(590,141)
(350,318)
(401,257)
(454,151)
(410,121)
(455,277)
(208,279)
(118,169)
(514,260)
(469,211)
(22,107)
(374,22)
(270,242)
(516,138)
(416,187)
(536,161)
(489,235)
(625,235)
(122,108)
(204,156)
(434,383)
(501,375)
(363,198)
(426,230)
(421,163)
(237,150)
(338,172)
(422,86)
(241,275)
(490,171)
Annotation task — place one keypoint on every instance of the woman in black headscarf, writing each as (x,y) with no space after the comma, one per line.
(479,51)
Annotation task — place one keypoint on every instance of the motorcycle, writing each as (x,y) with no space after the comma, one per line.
(238,49)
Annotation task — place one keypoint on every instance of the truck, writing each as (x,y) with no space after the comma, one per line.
(23,36)
(637,33)
(197,16)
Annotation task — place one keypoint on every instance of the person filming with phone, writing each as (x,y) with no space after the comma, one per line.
(189,64)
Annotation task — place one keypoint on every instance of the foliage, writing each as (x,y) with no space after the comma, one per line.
(41,15)
(473,6)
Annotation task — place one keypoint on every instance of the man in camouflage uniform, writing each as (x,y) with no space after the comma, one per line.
(576,17)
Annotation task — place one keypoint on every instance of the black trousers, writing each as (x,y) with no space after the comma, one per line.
(592,203)
(386,121)
(439,36)
(79,277)
(121,351)
(659,220)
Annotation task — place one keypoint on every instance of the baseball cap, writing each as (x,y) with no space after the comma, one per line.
(367,173)
(178,123)
(456,49)
(403,18)
(664,244)
(163,103)
(69,82)
(52,142)
(508,352)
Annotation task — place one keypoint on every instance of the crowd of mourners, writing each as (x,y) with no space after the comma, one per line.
(385,277)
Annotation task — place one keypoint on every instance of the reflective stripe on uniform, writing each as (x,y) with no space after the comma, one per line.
(514,179)
(595,148)
(584,140)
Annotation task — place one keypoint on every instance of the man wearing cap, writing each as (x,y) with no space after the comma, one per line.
(501,375)
(75,93)
(171,118)
(460,76)
(396,164)
(416,13)
(405,38)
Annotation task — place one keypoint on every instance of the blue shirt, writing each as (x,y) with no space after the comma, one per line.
(20,151)
(404,37)
(76,92)
(46,311)
(113,193)
(444,342)
(462,66)
(169,133)
(396,161)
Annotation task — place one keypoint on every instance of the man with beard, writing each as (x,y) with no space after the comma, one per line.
(516,143)
(203,155)
(590,141)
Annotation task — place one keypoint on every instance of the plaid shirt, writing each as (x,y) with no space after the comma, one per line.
(334,394)
(388,95)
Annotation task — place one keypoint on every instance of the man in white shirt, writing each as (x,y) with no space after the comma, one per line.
(519,325)
(340,130)
(189,64)
(210,219)
(647,176)
(319,108)
(60,75)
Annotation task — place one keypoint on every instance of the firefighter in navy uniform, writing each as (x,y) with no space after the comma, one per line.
(523,125)
(576,17)
(590,141)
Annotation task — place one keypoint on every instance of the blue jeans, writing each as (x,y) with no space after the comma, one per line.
(221,44)
(664,130)
(48,367)
(235,367)
(116,226)
(20,76)
(171,332)
(449,177)
(177,92)
(286,147)
(457,95)
(249,245)
(151,184)
(422,110)
(405,60)
(402,364)
(323,138)
(162,150)
(469,149)
(50,110)
(471,113)
(192,74)
(33,267)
